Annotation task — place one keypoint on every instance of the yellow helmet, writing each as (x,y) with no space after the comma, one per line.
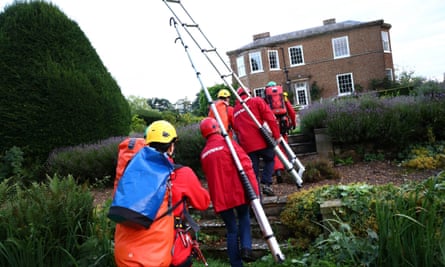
(161,132)
(223,93)
(285,95)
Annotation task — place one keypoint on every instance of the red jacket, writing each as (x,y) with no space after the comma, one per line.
(185,183)
(226,190)
(248,134)
(291,112)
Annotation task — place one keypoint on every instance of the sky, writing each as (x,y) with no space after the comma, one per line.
(137,45)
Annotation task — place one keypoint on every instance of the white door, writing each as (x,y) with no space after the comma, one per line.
(301,94)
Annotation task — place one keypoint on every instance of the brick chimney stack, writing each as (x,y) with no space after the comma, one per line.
(329,21)
(261,36)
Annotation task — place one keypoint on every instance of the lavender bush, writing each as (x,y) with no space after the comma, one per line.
(90,163)
(189,146)
(384,122)
(96,163)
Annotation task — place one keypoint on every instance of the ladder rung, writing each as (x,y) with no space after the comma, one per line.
(190,25)
(173,1)
(209,50)
(227,75)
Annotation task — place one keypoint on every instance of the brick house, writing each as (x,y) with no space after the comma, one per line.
(339,58)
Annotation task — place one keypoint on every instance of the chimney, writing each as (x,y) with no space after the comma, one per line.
(261,36)
(329,21)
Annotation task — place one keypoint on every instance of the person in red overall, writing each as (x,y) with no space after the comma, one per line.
(252,140)
(291,116)
(225,110)
(152,247)
(226,190)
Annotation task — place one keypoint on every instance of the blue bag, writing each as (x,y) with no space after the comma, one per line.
(141,190)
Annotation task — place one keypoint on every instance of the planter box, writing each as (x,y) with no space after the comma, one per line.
(323,143)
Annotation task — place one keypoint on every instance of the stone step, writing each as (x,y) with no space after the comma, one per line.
(303,148)
(300,138)
(216,228)
(272,206)
(213,231)
(219,251)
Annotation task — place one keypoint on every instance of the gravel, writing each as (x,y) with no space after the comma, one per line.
(375,172)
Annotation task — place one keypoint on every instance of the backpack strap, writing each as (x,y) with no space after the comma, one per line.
(170,207)
(193,224)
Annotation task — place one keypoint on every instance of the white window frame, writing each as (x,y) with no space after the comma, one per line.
(385,42)
(273,58)
(259,92)
(241,66)
(345,87)
(255,57)
(293,59)
(301,94)
(340,47)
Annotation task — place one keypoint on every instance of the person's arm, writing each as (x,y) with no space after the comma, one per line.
(187,184)
(291,113)
(269,117)
(247,166)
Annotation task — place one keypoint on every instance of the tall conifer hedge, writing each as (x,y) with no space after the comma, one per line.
(55,90)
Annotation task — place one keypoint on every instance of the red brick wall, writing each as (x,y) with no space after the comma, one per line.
(367,60)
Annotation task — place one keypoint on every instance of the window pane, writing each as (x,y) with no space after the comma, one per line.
(345,84)
(255,62)
(241,66)
(296,55)
(301,97)
(259,92)
(301,93)
(273,60)
(388,73)
(341,47)
(385,41)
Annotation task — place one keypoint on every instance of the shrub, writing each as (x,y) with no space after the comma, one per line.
(11,163)
(49,224)
(412,225)
(303,216)
(96,163)
(319,170)
(424,156)
(189,146)
(87,163)
(55,90)
(393,122)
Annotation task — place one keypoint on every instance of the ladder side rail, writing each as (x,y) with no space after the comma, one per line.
(289,167)
(253,198)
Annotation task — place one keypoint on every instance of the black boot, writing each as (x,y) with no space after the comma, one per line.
(247,255)
(279,177)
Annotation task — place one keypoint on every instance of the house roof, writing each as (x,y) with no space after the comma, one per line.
(301,34)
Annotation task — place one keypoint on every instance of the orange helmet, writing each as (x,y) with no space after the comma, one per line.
(209,126)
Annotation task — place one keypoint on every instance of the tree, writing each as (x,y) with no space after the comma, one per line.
(55,89)
(160,104)
(138,103)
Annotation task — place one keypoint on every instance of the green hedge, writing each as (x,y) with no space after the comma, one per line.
(55,89)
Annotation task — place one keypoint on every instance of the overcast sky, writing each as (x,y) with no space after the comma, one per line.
(137,44)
